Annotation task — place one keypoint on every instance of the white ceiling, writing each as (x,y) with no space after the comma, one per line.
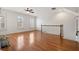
(39,10)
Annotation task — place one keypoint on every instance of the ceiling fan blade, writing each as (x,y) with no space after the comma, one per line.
(32,12)
(31,9)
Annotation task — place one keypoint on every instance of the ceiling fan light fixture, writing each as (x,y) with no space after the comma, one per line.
(29,10)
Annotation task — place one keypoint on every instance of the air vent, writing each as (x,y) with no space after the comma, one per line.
(53,8)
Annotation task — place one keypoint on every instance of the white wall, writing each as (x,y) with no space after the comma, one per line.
(11,20)
(59,17)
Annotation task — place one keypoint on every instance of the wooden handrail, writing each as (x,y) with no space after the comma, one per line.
(52,25)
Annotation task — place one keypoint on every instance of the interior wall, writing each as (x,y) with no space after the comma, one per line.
(57,18)
(12,18)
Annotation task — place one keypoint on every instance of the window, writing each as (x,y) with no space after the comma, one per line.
(2,22)
(20,22)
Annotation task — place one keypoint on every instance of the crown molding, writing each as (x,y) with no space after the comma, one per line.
(70,11)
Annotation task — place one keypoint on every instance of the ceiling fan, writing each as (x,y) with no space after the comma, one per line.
(28,10)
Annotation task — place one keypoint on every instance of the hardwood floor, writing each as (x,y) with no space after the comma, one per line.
(37,41)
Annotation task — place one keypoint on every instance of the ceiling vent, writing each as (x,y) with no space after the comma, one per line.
(53,8)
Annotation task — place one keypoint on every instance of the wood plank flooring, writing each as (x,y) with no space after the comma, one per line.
(37,41)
